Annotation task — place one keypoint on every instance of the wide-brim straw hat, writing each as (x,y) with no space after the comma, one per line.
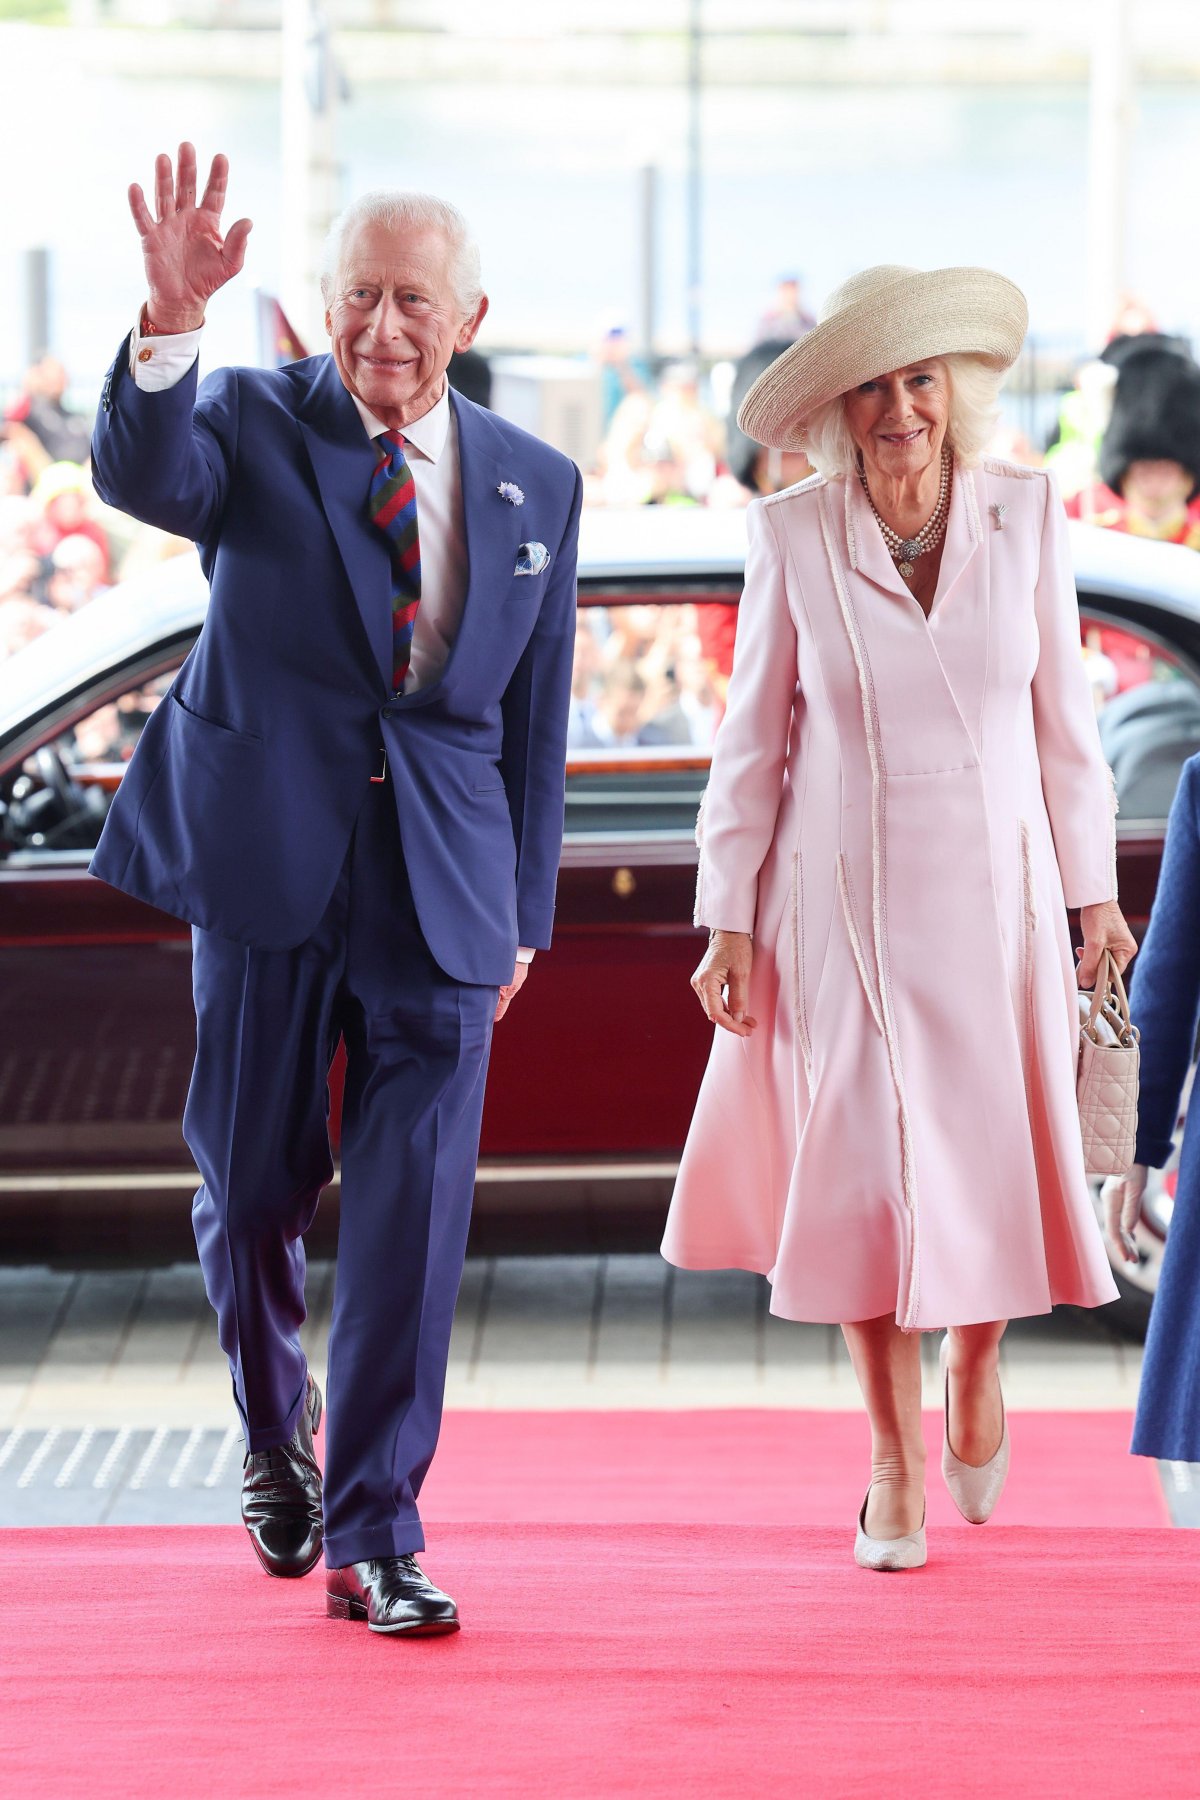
(886,318)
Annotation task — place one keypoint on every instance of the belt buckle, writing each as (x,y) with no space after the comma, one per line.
(382,775)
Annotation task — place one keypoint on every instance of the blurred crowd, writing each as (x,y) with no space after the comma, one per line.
(59,546)
(650,676)
(1125,447)
(671,438)
(1125,450)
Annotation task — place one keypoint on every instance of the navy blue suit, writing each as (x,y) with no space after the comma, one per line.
(325,907)
(1165,1002)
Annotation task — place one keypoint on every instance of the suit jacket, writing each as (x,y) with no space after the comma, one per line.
(1165,991)
(1165,997)
(237,808)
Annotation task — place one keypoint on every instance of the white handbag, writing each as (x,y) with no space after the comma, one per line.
(1106,1081)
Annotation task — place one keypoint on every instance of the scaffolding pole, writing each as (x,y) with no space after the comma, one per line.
(1109,120)
(309,100)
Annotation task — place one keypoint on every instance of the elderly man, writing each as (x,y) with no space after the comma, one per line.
(354,793)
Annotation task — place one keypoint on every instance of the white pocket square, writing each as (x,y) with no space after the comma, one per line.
(531,559)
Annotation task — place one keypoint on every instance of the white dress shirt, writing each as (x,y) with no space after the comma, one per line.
(431,450)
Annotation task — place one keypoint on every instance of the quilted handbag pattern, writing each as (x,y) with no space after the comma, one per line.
(1106,1082)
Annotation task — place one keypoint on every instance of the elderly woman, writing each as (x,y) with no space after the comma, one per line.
(906,793)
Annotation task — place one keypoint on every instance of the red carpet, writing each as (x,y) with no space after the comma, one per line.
(762,1468)
(610,1661)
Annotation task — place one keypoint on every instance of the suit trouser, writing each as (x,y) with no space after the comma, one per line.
(417,1042)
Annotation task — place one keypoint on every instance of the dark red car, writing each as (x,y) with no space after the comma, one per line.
(596,1068)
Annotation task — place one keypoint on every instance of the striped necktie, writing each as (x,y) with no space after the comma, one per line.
(393,507)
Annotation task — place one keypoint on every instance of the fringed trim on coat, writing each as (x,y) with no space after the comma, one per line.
(999,465)
(798,1007)
(851,540)
(1028,894)
(856,943)
(1114,807)
(1025,972)
(888,1022)
(974,522)
(698,910)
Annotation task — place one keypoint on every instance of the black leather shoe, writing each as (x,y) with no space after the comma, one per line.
(393,1595)
(281,1497)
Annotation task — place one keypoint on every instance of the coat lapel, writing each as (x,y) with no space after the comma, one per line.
(493,524)
(343,460)
(864,541)
(963,535)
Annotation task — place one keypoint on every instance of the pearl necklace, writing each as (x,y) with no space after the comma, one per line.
(905,551)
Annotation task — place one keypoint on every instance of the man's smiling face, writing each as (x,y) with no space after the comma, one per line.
(394,319)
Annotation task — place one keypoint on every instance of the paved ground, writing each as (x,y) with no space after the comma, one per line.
(115,1406)
(139,1347)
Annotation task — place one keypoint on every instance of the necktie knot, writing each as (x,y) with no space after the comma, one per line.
(393,443)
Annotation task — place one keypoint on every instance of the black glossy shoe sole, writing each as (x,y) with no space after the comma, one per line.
(355,1613)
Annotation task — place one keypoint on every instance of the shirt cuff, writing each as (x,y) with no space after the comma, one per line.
(160,361)
(525,956)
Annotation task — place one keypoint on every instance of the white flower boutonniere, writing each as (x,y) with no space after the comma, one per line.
(508,490)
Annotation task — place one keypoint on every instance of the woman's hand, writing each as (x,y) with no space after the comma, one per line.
(186,257)
(1104,928)
(722,982)
(1122,1196)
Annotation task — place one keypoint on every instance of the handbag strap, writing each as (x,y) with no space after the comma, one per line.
(1111,999)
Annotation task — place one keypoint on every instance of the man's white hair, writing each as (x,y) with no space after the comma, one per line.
(400,210)
(970,427)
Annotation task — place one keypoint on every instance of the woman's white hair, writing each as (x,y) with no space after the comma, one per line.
(400,210)
(974,412)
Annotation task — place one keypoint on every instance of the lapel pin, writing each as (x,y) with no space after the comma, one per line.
(998,508)
(508,490)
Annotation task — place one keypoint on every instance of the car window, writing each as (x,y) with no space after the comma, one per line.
(649,686)
(1148,710)
(649,678)
(110,734)
(58,799)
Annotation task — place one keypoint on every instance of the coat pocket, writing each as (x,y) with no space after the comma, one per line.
(856,943)
(1029,919)
(198,718)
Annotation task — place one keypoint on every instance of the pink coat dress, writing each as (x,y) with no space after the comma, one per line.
(900,809)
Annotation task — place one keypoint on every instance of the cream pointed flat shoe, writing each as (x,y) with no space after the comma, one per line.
(886,1554)
(974,1489)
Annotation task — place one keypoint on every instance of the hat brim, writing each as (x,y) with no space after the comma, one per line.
(920,315)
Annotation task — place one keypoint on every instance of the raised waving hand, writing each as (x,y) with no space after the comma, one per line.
(186,257)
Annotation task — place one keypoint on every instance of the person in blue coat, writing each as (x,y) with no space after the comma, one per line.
(354,793)
(1165,1004)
